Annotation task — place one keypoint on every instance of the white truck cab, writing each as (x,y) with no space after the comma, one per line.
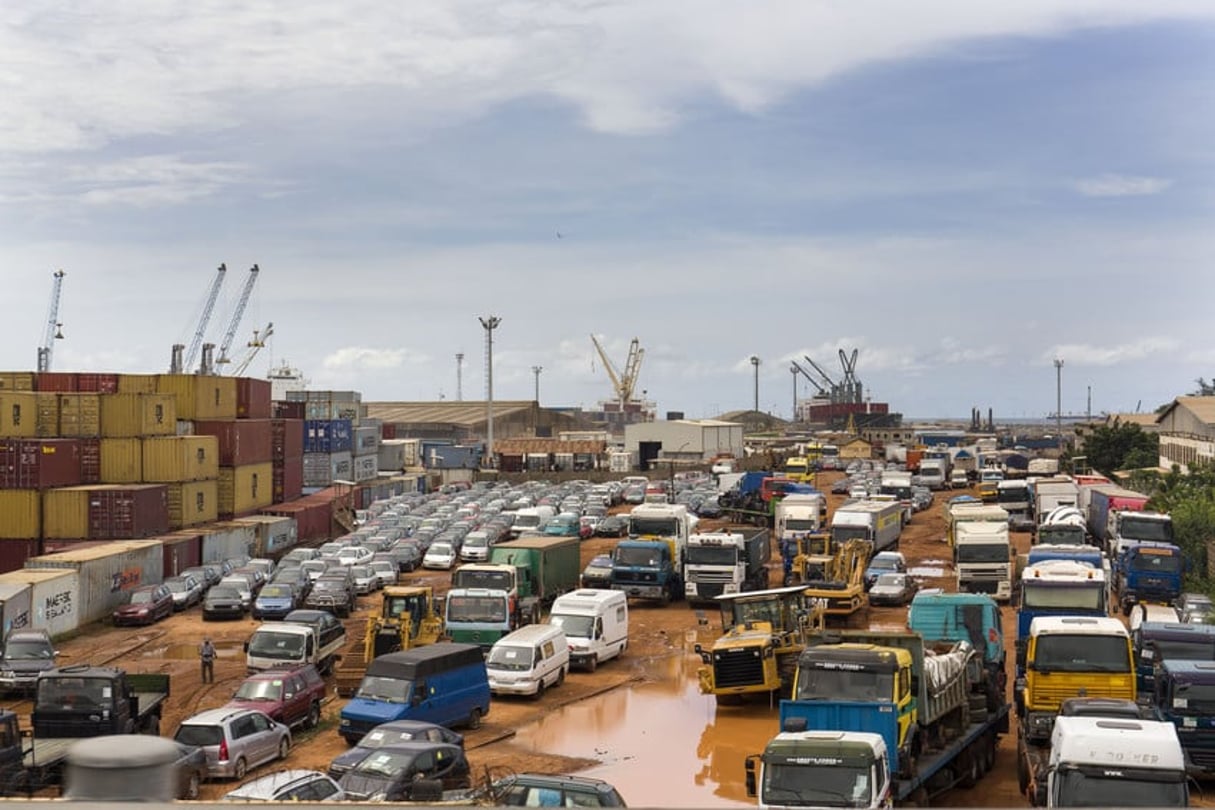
(1115,762)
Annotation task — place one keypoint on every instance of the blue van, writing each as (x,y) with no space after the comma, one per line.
(445,684)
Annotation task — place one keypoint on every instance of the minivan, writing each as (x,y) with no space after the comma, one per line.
(595,622)
(445,684)
(529,660)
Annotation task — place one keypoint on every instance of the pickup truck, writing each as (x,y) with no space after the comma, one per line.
(285,643)
(86,701)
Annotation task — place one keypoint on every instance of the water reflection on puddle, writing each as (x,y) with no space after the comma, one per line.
(662,744)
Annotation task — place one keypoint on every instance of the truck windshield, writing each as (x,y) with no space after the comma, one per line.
(490,580)
(842,534)
(1060,535)
(900,492)
(1095,789)
(476,609)
(814,683)
(794,524)
(661,527)
(1175,649)
(629,555)
(277,645)
(1133,528)
(742,612)
(1072,653)
(1080,596)
(816,785)
(982,553)
(510,658)
(712,555)
(1012,496)
(386,690)
(1193,698)
(1156,563)
(69,692)
(574,626)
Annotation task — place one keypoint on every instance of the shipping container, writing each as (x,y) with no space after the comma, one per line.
(90,461)
(79,416)
(288,410)
(288,479)
(413,453)
(388,431)
(313,517)
(366,440)
(107,573)
(97,383)
(253,398)
(173,459)
(55,382)
(137,383)
(20,514)
(364,468)
(200,396)
(185,427)
(391,455)
(276,534)
(121,461)
(192,503)
(105,512)
(54,600)
(327,436)
(245,489)
(180,550)
(17,381)
(137,415)
(39,463)
(322,469)
(241,441)
(227,540)
(287,438)
(29,415)
(15,607)
(14,552)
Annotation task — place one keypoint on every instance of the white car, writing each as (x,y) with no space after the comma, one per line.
(355,555)
(386,571)
(439,555)
(365,579)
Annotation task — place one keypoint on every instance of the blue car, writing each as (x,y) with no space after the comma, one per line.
(275,601)
(884,562)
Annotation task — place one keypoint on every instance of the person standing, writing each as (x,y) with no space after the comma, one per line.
(206,654)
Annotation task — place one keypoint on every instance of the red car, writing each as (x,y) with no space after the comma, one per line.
(147,605)
(290,696)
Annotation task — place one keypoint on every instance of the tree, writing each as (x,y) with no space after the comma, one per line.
(1121,446)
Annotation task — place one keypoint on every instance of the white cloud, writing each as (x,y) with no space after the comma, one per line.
(368,359)
(1085,354)
(1121,185)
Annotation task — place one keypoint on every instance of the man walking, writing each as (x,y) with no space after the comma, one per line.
(206,654)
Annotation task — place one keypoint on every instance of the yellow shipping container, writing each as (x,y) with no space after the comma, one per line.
(200,396)
(129,415)
(137,383)
(193,503)
(121,461)
(79,416)
(174,459)
(29,415)
(16,381)
(65,513)
(245,489)
(20,514)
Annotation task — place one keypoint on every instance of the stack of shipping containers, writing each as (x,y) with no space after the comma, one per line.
(330,418)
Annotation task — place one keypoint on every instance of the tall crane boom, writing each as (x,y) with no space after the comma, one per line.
(205,318)
(608,367)
(255,345)
(623,384)
(52,333)
(238,312)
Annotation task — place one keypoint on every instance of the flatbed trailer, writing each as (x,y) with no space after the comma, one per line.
(959,763)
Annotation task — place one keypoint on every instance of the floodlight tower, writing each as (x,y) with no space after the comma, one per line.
(489,324)
(1059,400)
(755,361)
(459,376)
(536,371)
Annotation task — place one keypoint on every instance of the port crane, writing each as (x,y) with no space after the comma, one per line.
(54,329)
(183,358)
(238,312)
(255,345)
(624,384)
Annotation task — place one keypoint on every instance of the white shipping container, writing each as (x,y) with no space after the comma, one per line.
(223,541)
(391,455)
(413,452)
(328,410)
(622,462)
(366,440)
(53,598)
(15,604)
(275,534)
(365,468)
(107,573)
(185,427)
(322,469)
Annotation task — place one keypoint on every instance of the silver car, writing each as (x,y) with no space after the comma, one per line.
(294,785)
(235,740)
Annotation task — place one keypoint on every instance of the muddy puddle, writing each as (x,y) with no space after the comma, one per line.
(661,743)
(189,652)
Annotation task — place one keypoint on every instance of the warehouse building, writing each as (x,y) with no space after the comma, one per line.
(467,422)
(688,440)
(1187,433)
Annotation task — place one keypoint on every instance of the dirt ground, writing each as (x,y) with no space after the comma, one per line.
(655,632)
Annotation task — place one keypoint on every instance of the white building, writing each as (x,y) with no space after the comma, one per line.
(688,440)
(1187,433)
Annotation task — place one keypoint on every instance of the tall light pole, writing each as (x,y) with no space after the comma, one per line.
(755,362)
(1059,400)
(793,371)
(489,323)
(536,371)
(459,376)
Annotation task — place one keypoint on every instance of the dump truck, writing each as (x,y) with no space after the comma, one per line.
(732,560)
(764,632)
(406,619)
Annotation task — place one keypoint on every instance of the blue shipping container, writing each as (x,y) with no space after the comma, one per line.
(327,435)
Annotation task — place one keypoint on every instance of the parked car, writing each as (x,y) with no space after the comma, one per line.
(408,556)
(291,696)
(293,785)
(893,589)
(208,575)
(398,731)
(331,594)
(275,601)
(354,555)
(884,562)
(613,526)
(598,572)
(292,575)
(235,740)
(191,769)
(365,580)
(186,590)
(395,773)
(243,585)
(25,654)
(223,602)
(543,790)
(147,604)
(439,555)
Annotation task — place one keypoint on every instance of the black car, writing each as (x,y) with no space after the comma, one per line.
(401,772)
(223,602)
(398,731)
(331,594)
(612,526)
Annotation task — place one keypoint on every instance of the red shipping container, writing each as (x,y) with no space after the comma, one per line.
(288,480)
(182,550)
(241,441)
(39,463)
(253,398)
(128,511)
(289,410)
(62,382)
(87,383)
(288,439)
(388,431)
(90,461)
(313,519)
(14,553)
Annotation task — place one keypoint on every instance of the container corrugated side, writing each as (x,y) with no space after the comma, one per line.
(14,552)
(241,441)
(288,479)
(200,396)
(288,410)
(173,459)
(180,550)
(245,489)
(88,382)
(137,383)
(29,415)
(391,455)
(108,573)
(413,452)
(192,503)
(364,468)
(275,534)
(253,398)
(54,600)
(121,461)
(55,381)
(118,511)
(16,599)
(39,463)
(322,469)
(79,415)
(313,518)
(65,513)
(137,415)
(366,440)
(287,438)
(90,461)
(17,380)
(226,540)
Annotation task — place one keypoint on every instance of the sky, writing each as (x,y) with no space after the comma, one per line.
(961,191)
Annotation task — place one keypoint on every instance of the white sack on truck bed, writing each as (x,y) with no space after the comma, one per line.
(942,669)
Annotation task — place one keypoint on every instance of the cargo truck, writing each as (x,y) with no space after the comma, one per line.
(732,560)
(649,564)
(934,473)
(1049,493)
(983,558)
(545,568)
(1106,498)
(1148,572)
(897,484)
(1184,696)
(1064,525)
(1113,762)
(1058,588)
(972,511)
(1125,528)
(799,515)
(879,522)
(1013,497)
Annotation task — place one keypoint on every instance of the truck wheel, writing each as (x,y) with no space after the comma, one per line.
(152,726)
(1022,773)
(665,599)
(314,716)
(474,718)
(540,689)
(535,617)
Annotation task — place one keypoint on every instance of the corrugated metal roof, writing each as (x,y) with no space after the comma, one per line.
(512,447)
(1141,419)
(453,413)
(1203,408)
(87,553)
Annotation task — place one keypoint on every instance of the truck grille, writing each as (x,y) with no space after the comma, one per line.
(711,576)
(636,577)
(1051,697)
(981,585)
(740,667)
(1201,757)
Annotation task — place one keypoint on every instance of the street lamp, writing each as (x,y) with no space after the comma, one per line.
(755,362)
(1059,401)
(536,371)
(489,324)
(793,371)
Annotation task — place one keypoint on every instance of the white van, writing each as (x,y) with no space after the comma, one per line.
(595,621)
(529,660)
(531,519)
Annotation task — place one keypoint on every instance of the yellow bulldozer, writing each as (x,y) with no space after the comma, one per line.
(815,552)
(841,588)
(765,631)
(406,619)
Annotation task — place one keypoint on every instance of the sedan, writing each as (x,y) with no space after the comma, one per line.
(365,580)
(613,526)
(288,786)
(275,601)
(439,555)
(223,602)
(893,589)
(395,772)
(146,605)
(355,555)
(187,591)
(392,733)
(598,572)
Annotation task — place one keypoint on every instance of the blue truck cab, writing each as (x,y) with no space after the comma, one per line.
(1185,696)
(970,617)
(1148,572)
(1154,642)
(445,684)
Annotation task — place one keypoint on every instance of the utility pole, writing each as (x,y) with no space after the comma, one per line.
(1059,400)
(793,371)
(536,371)
(489,323)
(459,376)
(755,362)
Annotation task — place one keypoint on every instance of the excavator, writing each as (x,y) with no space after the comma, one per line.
(815,552)
(406,619)
(841,588)
(765,631)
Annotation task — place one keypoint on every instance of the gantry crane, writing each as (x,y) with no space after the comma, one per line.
(182,358)
(623,384)
(237,313)
(54,329)
(255,345)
